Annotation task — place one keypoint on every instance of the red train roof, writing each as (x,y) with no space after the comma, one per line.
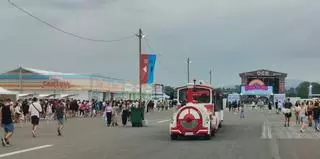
(196,86)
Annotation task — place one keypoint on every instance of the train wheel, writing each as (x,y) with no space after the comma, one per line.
(174,137)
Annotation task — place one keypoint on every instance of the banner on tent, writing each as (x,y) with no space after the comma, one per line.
(279,97)
(260,90)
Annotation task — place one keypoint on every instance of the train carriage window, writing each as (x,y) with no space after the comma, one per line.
(183,96)
(200,95)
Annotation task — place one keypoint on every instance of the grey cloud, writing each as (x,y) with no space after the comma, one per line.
(229,36)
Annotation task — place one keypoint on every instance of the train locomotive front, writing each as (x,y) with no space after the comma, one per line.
(195,114)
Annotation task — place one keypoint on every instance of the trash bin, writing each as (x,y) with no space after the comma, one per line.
(137,115)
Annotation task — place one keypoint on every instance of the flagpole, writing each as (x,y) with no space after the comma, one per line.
(188,69)
(140,82)
(210,74)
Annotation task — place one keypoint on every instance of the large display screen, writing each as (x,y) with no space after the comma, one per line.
(270,81)
(257,90)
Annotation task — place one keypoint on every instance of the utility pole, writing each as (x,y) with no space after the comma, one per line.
(188,69)
(140,35)
(20,79)
(310,90)
(210,73)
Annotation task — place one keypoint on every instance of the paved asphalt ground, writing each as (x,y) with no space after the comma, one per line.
(260,135)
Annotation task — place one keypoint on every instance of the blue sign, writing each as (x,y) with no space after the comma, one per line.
(233,97)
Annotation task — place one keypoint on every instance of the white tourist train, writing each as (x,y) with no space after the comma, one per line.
(199,112)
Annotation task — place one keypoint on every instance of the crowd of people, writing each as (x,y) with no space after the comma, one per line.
(33,110)
(28,110)
(306,113)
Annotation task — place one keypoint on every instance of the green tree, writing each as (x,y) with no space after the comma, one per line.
(170,91)
(291,92)
(303,89)
(315,88)
(238,88)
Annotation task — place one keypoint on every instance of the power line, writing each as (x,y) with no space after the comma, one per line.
(149,45)
(64,31)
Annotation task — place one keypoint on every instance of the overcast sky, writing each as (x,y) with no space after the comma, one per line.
(229,36)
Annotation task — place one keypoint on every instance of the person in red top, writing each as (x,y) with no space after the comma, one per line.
(82,108)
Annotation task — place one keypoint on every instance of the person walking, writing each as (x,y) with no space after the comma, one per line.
(297,109)
(82,108)
(25,110)
(316,115)
(124,115)
(276,106)
(35,109)
(309,112)
(6,118)
(241,112)
(270,106)
(109,111)
(59,113)
(49,113)
(303,117)
(18,113)
(287,112)
(115,115)
(253,105)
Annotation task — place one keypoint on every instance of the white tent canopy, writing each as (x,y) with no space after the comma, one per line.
(25,95)
(166,96)
(6,92)
(47,95)
(68,95)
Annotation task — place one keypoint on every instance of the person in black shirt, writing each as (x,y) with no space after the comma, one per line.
(25,110)
(229,106)
(287,112)
(59,113)
(316,115)
(6,118)
(125,113)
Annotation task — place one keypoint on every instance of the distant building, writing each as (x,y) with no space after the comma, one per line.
(83,86)
(271,79)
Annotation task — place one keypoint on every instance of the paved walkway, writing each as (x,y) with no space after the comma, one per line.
(90,138)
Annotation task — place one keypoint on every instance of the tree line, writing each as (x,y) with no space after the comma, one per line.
(302,90)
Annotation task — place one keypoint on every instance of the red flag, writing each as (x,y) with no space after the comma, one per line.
(144,68)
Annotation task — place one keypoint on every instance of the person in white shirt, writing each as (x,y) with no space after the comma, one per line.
(49,113)
(35,109)
(109,111)
(303,117)
(18,113)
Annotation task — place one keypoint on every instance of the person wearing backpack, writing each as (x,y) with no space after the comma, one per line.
(35,109)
